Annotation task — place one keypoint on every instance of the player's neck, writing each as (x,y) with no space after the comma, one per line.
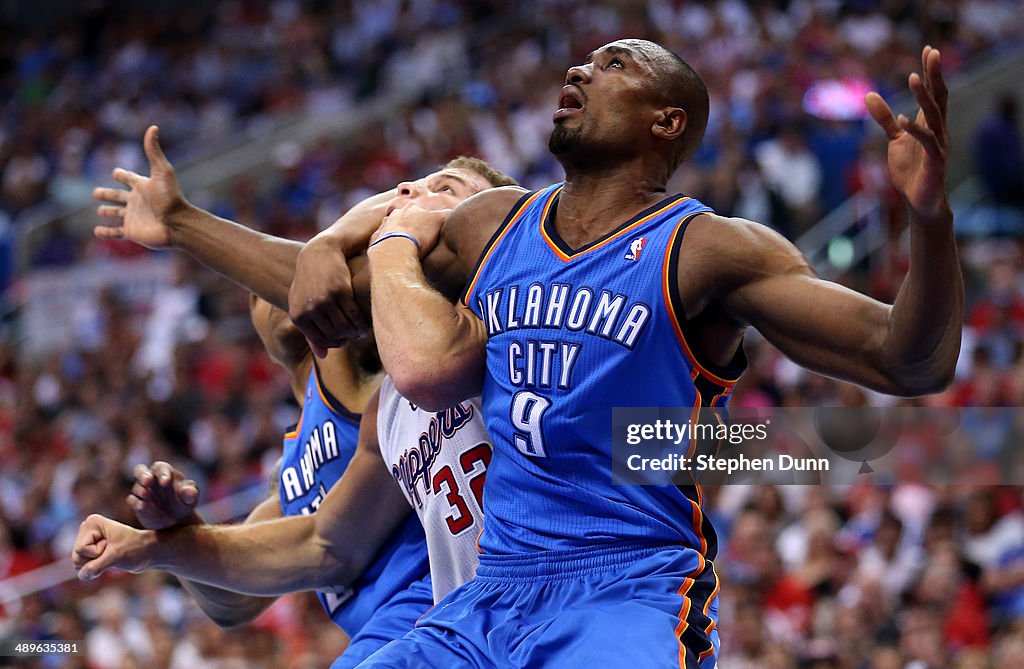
(591,205)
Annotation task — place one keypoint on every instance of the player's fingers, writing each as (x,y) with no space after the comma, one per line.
(110,195)
(936,82)
(929,109)
(127,177)
(923,135)
(319,351)
(335,322)
(107,232)
(135,504)
(144,493)
(163,472)
(154,152)
(346,302)
(143,474)
(110,211)
(90,540)
(319,342)
(188,492)
(882,114)
(94,568)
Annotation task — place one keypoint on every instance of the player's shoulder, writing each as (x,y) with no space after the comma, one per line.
(737,243)
(473,221)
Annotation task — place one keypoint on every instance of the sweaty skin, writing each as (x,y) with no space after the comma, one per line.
(154,213)
(329,548)
(733,273)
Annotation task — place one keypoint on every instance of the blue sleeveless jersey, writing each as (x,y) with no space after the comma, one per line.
(316,454)
(572,334)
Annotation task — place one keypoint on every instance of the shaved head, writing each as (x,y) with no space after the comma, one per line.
(676,85)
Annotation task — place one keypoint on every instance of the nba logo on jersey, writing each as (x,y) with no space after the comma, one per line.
(635,247)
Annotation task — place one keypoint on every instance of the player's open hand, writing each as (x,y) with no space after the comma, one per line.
(142,213)
(321,300)
(104,544)
(162,497)
(917,149)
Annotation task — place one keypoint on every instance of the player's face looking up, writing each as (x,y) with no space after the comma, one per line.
(627,98)
(440,190)
(599,105)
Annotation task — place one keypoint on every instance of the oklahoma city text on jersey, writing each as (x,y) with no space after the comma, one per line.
(541,363)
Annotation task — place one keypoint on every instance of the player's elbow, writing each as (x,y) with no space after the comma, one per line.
(919,381)
(230,621)
(427,391)
(335,563)
(230,617)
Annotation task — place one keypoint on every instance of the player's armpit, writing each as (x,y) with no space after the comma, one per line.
(760,278)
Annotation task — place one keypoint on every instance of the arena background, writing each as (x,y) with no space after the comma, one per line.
(280,115)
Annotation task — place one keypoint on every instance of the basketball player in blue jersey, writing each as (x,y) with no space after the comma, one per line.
(392,589)
(604,291)
(389,592)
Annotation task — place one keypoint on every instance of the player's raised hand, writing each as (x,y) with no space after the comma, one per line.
(104,544)
(141,213)
(321,301)
(162,497)
(917,149)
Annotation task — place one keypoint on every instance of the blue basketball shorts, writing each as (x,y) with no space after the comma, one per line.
(391,621)
(633,607)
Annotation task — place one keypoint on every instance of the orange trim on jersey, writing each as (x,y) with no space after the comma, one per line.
(294,434)
(724,393)
(697,514)
(478,549)
(712,623)
(714,593)
(694,419)
(565,258)
(684,611)
(494,244)
(674,318)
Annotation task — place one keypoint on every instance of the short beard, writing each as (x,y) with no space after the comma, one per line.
(563,140)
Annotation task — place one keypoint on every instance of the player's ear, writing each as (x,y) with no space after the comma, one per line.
(669,123)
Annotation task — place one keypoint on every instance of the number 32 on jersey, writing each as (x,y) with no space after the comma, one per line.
(474,464)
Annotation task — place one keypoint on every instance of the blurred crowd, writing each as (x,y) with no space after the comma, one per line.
(880,576)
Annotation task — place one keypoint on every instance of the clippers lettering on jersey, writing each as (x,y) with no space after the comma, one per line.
(320,448)
(543,363)
(414,464)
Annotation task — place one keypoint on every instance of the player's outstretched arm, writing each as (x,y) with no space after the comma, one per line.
(432,349)
(329,548)
(153,212)
(908,348)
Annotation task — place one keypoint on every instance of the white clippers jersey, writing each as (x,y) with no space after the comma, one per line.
(439,460)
